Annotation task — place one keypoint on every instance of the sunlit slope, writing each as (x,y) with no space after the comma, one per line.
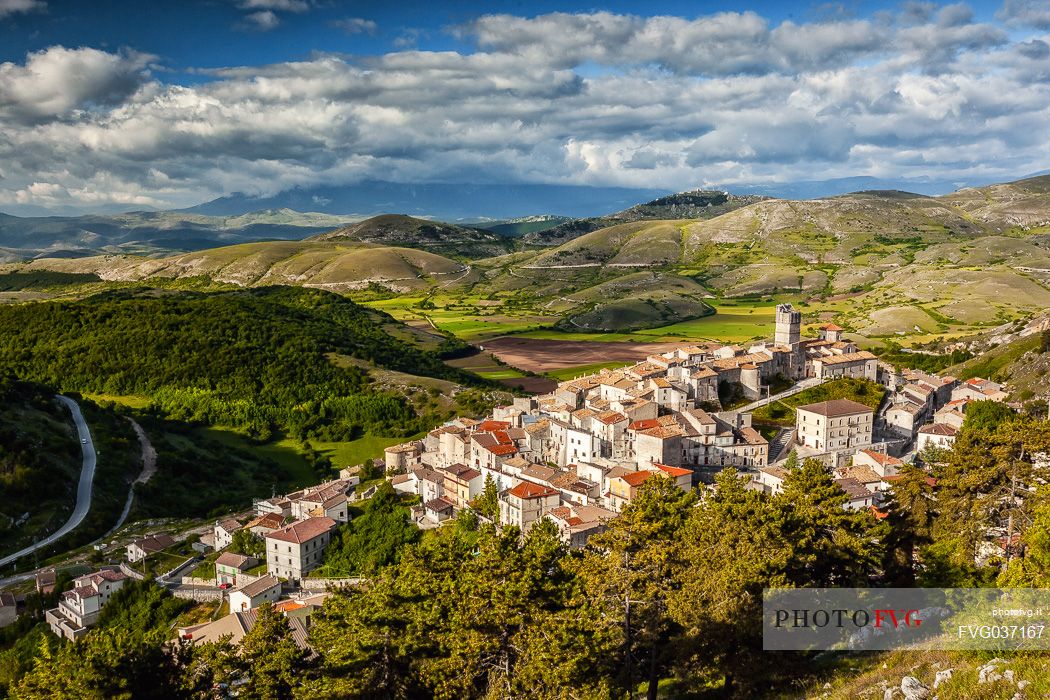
(308,263)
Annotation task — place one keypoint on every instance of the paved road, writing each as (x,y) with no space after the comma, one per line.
(87,476)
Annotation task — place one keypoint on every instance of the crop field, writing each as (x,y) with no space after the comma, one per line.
(572,372)
(485,365)
(544,356)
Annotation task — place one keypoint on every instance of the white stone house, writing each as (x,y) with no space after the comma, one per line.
(224,530)
(834,425)
(297,549)
(79,608)
(265,589)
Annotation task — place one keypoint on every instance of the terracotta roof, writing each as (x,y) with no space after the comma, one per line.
(403,447)
(882,458)
(862,473)
(644,424)
(287,606)
(611,417)
(302,531)
(155,543)
(237,561)
(702,416)
(663,432)
(753,437)
(831,327)
(236,625)
(527,489)
(836,408)
(539,471)
(853,488)
(439,504)
(269,520)
(938,429)
(637,478)
(487,426)
(259,585)
(107,575)
(672,471)
(334,501)
(502,450)
(538,426)
(82,592)
(463,472)
(861,356)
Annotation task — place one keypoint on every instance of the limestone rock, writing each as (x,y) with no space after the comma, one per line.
(914,689)
(942,677)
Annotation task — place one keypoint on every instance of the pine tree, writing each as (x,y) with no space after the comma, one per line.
(830,545)
(270,658)
(631,571)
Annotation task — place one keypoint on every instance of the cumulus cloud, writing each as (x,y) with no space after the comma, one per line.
(280,5)
(13,7)
(262,14)
(355,25)
(1030,13)
(262,21)
(595,98)
(56,81)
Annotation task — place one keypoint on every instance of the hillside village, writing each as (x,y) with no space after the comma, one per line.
(576,457)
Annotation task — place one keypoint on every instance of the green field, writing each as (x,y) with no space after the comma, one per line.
(573,372)
(485,365)
(284,451)
(347,454)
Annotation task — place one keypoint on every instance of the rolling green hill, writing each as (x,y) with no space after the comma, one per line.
(695,204)
(409,232)
(257,360)
(884,264)
(327,265)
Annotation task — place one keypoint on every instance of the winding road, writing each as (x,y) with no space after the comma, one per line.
(87,476)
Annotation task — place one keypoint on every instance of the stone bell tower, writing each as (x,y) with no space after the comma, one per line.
(789,325)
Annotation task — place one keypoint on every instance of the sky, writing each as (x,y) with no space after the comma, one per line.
(109,104)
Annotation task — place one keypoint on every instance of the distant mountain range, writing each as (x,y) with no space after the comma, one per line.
(814,189)
(447,202)
(542,215)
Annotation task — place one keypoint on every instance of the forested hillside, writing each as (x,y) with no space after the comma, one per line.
(259,360)
(39,462)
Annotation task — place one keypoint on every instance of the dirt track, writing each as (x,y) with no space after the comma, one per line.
(542,356)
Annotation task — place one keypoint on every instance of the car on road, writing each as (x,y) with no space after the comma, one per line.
(83,440)
(225,586)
